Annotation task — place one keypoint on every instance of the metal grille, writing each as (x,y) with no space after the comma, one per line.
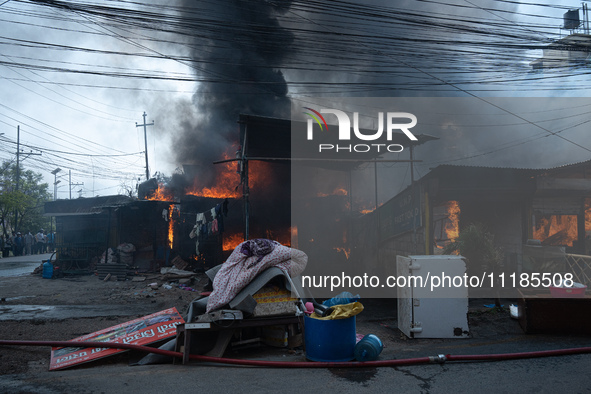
(580,266)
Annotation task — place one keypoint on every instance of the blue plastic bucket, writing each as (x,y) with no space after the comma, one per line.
(330,340)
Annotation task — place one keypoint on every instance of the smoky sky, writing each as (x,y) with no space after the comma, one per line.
(241,57)
(258,56)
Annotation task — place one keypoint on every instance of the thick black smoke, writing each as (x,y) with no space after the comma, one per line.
(249,52)
(240,59)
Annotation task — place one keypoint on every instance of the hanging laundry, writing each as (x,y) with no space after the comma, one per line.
(203,228)
(220,224)
(195,232)
(195,235)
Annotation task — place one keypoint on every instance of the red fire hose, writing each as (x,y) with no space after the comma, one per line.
(308,364)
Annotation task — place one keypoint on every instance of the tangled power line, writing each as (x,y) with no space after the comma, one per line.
(337,47)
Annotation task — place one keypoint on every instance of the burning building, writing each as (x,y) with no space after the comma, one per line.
(526,210)
(248,192)
(87,227)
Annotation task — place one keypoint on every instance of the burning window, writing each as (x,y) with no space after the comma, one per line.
(556,230)
(446,223)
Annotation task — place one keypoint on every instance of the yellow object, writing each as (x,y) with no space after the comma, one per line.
(343,311)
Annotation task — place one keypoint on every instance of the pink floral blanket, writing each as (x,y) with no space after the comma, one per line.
(240,269)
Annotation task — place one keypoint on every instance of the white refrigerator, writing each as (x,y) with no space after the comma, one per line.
(426,311)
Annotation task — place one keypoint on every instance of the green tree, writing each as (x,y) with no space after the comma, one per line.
(24,205)
(477,246)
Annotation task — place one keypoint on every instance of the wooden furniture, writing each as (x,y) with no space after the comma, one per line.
(540,313)
(189,333)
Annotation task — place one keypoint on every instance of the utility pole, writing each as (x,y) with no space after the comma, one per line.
(55,182)
(585,22)
(146,142)
(73,184)
(18,169)
(18,172)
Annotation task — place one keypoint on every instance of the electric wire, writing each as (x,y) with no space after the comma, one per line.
(484,54)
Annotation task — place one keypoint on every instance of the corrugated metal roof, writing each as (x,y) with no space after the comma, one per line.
(85,206)
(531,169)
(577,164)
(460,170)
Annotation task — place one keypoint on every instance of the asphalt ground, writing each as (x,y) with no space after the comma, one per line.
(492,331)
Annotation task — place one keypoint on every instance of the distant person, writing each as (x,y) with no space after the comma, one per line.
(13,243)
(40,242)
(19,244)
(29,240)
(7,246)
(45,242)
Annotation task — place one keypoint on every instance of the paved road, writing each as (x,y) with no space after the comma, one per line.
(21,265)
(564,374)
(548,375)
(64,312)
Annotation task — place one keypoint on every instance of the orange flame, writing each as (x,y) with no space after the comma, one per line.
(367,207)
(338,191)
(231,241)
(452,227)
(294,236)
(283,237)
(588,215)
(347,252)
(170,226)
(161,194)
(226,181)
(557,229)
(258,176)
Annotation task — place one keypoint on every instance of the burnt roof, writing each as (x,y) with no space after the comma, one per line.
(85,206)
(444,168)
(457,170)
(573,167)
(454,182)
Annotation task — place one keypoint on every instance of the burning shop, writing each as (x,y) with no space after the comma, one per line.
(331,196)
(538,217)
(87,227)
(245,195)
